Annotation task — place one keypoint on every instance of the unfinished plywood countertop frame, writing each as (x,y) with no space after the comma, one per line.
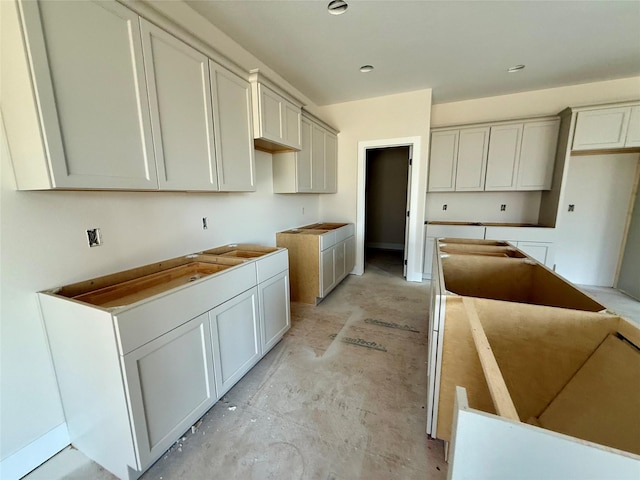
(321,255)
(528,348)
(141,355)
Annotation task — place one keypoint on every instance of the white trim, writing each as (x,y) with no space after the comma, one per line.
(416,204)
(35,454)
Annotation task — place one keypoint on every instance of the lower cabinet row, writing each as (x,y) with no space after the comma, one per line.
(169,382)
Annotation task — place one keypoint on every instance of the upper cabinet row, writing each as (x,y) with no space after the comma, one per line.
(494,157)
(121,104)
(607,128)
(314,168)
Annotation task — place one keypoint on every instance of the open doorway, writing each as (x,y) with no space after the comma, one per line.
(386,206)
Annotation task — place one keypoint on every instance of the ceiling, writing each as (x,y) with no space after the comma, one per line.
(460,49)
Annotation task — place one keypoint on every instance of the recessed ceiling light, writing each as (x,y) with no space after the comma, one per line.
(366,68)
(515,68)
(337,7)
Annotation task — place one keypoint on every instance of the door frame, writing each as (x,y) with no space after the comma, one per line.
(415,237)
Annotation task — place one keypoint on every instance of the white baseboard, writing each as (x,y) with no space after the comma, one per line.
(386,246)
(35,454)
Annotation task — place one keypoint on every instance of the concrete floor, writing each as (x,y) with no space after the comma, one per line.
(318,406)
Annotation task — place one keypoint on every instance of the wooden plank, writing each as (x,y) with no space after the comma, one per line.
(460,367)
(601,403)
(497,387)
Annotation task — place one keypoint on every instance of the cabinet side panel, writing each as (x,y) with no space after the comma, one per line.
(304,265)
(19,107)
(90,382)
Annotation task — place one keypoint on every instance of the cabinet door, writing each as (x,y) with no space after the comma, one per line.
(442,161)
(429,245)
(275,316)
(601,128)
(502,161)
(327,271)
(538,155)
(270,114)
(291,125)
(633,131)
(340,261)
(317,158)
(235,338)
(330,163)
(304,171)
(473,147)
(170,382)
(233,130)
(537,250)
(89,80)
(350,254)
(180,102)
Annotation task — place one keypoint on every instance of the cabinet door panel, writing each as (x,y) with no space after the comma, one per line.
(236,339)
(171,384)
(442,161)
(331,163)
(232,123)
(327,271)
(291,126)
(633,131)
(275,314)
(303,158)
(473,147)
(271,114)
(429,245)
(350,254)
(89,78)
(602,128)
(340,264)
(537,155)
(502,161)
(182,121)
(317,158)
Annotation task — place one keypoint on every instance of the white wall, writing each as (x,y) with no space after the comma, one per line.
(44,245)
(393,116)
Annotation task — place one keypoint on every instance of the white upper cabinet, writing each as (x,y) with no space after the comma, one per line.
(502,161)
(88,77)
(537,155)
(602,128)
(181,115)
(314,168)
(330,162)
(442,161)
(473,146)
(633,131)
(276,116)
(233,130)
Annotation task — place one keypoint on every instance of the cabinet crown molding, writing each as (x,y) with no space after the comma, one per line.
(319,121)
(463,126)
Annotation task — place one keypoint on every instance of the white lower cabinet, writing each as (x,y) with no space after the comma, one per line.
(328,272)
(434,230)
(542,252)
(170,381)
(134,377)
(235,336)
(275,318)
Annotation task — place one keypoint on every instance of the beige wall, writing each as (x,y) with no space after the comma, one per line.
(394,116)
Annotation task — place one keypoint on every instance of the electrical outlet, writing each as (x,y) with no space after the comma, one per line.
(94,237)
(444,207)
(205,225)
(503,207)
(572,207)
(303,210)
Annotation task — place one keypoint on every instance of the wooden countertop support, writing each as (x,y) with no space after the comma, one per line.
(497,387)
